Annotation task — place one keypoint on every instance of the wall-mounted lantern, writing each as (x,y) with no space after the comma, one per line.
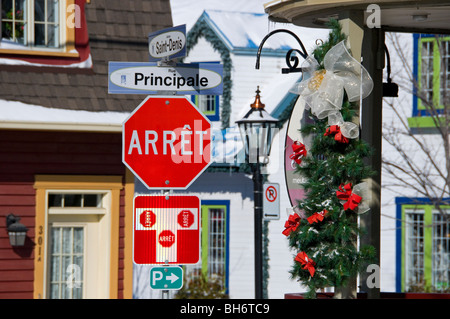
(17,232)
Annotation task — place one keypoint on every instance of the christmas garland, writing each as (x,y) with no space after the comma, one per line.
(323,228)
(201,28)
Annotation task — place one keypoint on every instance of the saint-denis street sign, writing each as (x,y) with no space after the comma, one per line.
(166,278)
(150,78)
(168,43)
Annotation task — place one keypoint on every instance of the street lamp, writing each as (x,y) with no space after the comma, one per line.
(17,232)
(257,129)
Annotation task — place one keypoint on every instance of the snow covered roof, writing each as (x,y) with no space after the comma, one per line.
(19,115)
(244,30)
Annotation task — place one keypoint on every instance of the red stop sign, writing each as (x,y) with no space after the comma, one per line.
(186,218)
(166,238)
(147,218)
(166,142)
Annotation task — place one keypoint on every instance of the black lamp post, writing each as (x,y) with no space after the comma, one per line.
(257,130)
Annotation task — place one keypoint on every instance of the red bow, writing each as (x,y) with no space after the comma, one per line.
(299,152)
(345,193)
(307,263)
(291,224)
(336,131)
(317,217)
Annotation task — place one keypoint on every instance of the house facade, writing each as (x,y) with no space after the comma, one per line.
(61,169)
(415,197)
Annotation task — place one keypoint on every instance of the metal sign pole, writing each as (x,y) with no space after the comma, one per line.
(165,293)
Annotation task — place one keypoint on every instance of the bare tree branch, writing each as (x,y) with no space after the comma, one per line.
(422,171)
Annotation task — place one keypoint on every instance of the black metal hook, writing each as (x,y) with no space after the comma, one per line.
(390,89)
(289,57)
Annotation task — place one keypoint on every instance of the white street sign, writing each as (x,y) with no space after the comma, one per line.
(271,201)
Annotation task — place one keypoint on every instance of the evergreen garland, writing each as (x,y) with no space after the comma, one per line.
(331,243)
(201,28)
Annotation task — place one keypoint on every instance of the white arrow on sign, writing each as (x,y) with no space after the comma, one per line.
(172,278)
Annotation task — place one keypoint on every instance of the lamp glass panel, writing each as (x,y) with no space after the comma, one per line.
(17,238)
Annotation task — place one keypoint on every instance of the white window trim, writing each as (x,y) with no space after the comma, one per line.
(8,47)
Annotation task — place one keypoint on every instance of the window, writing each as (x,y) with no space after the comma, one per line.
(432,70)
(31,23)
(75,200)
(414,265)
(425,249)
(426,81)
(441,252)
(208,104)
(444,85)
(33,26)
(214,243)
(67,255)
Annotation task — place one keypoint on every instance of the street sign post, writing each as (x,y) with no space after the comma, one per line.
(271,201)
(166,278)
(166,229)
(166,142)
(151,78)
(167,44)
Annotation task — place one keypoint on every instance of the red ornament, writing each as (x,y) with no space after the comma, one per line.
(291,224)
(336,131)
(299,152)
(345,193)
(317,217)
(307,262)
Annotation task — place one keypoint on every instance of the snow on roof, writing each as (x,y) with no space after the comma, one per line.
(245,29)
(188,11)
(18,114)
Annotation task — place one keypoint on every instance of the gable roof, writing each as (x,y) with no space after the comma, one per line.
(117,31)
(242,32)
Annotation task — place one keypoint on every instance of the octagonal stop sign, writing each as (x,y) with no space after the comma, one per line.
(147,218)
(166,142)
(186,218)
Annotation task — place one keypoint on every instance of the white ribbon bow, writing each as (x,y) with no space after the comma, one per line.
(323,90)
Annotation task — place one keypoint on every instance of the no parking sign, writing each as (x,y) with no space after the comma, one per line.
(271,202)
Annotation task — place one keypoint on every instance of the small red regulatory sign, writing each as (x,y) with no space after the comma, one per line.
(147,218)
(166,229)
(186,218)
(166,238)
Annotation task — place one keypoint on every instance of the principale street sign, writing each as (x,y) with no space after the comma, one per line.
(166,229)
(166,278)
(166,142)
(168,43)
(150,78)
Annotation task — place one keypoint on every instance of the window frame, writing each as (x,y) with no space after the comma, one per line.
(66,35)
(404,206)
(82,225)
(420,110)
